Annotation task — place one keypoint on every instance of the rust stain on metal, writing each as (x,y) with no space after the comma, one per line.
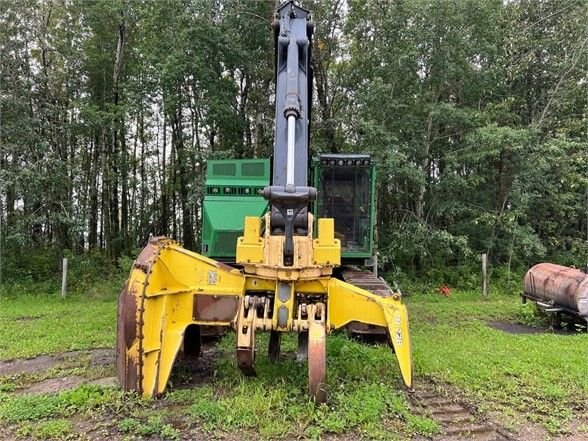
(158,365)
(131,382)
(130,318)
(149,253)
(246,360)
(317,365)
(215,308)
(557,285)
(126,336)
(121,347)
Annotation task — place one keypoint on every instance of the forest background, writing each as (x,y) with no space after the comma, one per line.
(474,110)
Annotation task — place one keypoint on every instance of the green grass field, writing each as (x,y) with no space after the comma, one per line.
(43,324)
(524,379)
(542,376)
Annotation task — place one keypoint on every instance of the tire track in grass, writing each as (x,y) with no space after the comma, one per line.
(457,421)
(93,358)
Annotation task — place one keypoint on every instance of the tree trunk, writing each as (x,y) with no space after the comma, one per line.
(164,222)
(183,171)
(93,206)
(118,144)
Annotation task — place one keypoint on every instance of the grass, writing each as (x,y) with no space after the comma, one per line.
(366,401)
(365,396)
(43,324)
(542,376)
(43,430)
(153,426)
(533,377)
(15,408)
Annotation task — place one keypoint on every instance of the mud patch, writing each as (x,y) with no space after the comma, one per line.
(30,365)
(53,385)
(98,427)
(515,328)
(191,371)
(524,430)
(28,318)
(60,384)
(102,357)
(105,382)
(98,357)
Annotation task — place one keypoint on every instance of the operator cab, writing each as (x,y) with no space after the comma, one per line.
(346,193)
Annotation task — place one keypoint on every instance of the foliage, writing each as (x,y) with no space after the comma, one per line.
(474,112)
(531,315)
(466,158)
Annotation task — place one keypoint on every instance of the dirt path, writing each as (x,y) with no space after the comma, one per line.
(94,358)
(518,328)
(460,421)
(97,357)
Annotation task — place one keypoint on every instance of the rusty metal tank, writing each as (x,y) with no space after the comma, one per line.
(560,286)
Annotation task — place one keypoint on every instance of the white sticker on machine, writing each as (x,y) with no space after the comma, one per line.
(398,337)
(212,277)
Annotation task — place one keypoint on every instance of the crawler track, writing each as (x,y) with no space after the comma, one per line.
(366,280)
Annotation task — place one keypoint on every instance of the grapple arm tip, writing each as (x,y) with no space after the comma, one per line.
(348,303)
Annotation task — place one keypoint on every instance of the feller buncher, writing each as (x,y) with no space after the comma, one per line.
(288,269)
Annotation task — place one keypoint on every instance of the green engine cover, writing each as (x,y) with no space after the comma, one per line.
(231,194)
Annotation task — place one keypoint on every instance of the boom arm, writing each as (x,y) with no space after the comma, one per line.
(289,194)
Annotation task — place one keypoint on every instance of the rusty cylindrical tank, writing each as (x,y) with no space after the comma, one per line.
(560,286)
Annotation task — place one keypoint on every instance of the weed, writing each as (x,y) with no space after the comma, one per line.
(17,408)
(154,425)
(51,429)
(422,425)
(361,399)
(207,410)
(528,314)
(7,386)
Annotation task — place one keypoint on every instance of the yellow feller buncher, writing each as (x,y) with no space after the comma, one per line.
(285,270)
